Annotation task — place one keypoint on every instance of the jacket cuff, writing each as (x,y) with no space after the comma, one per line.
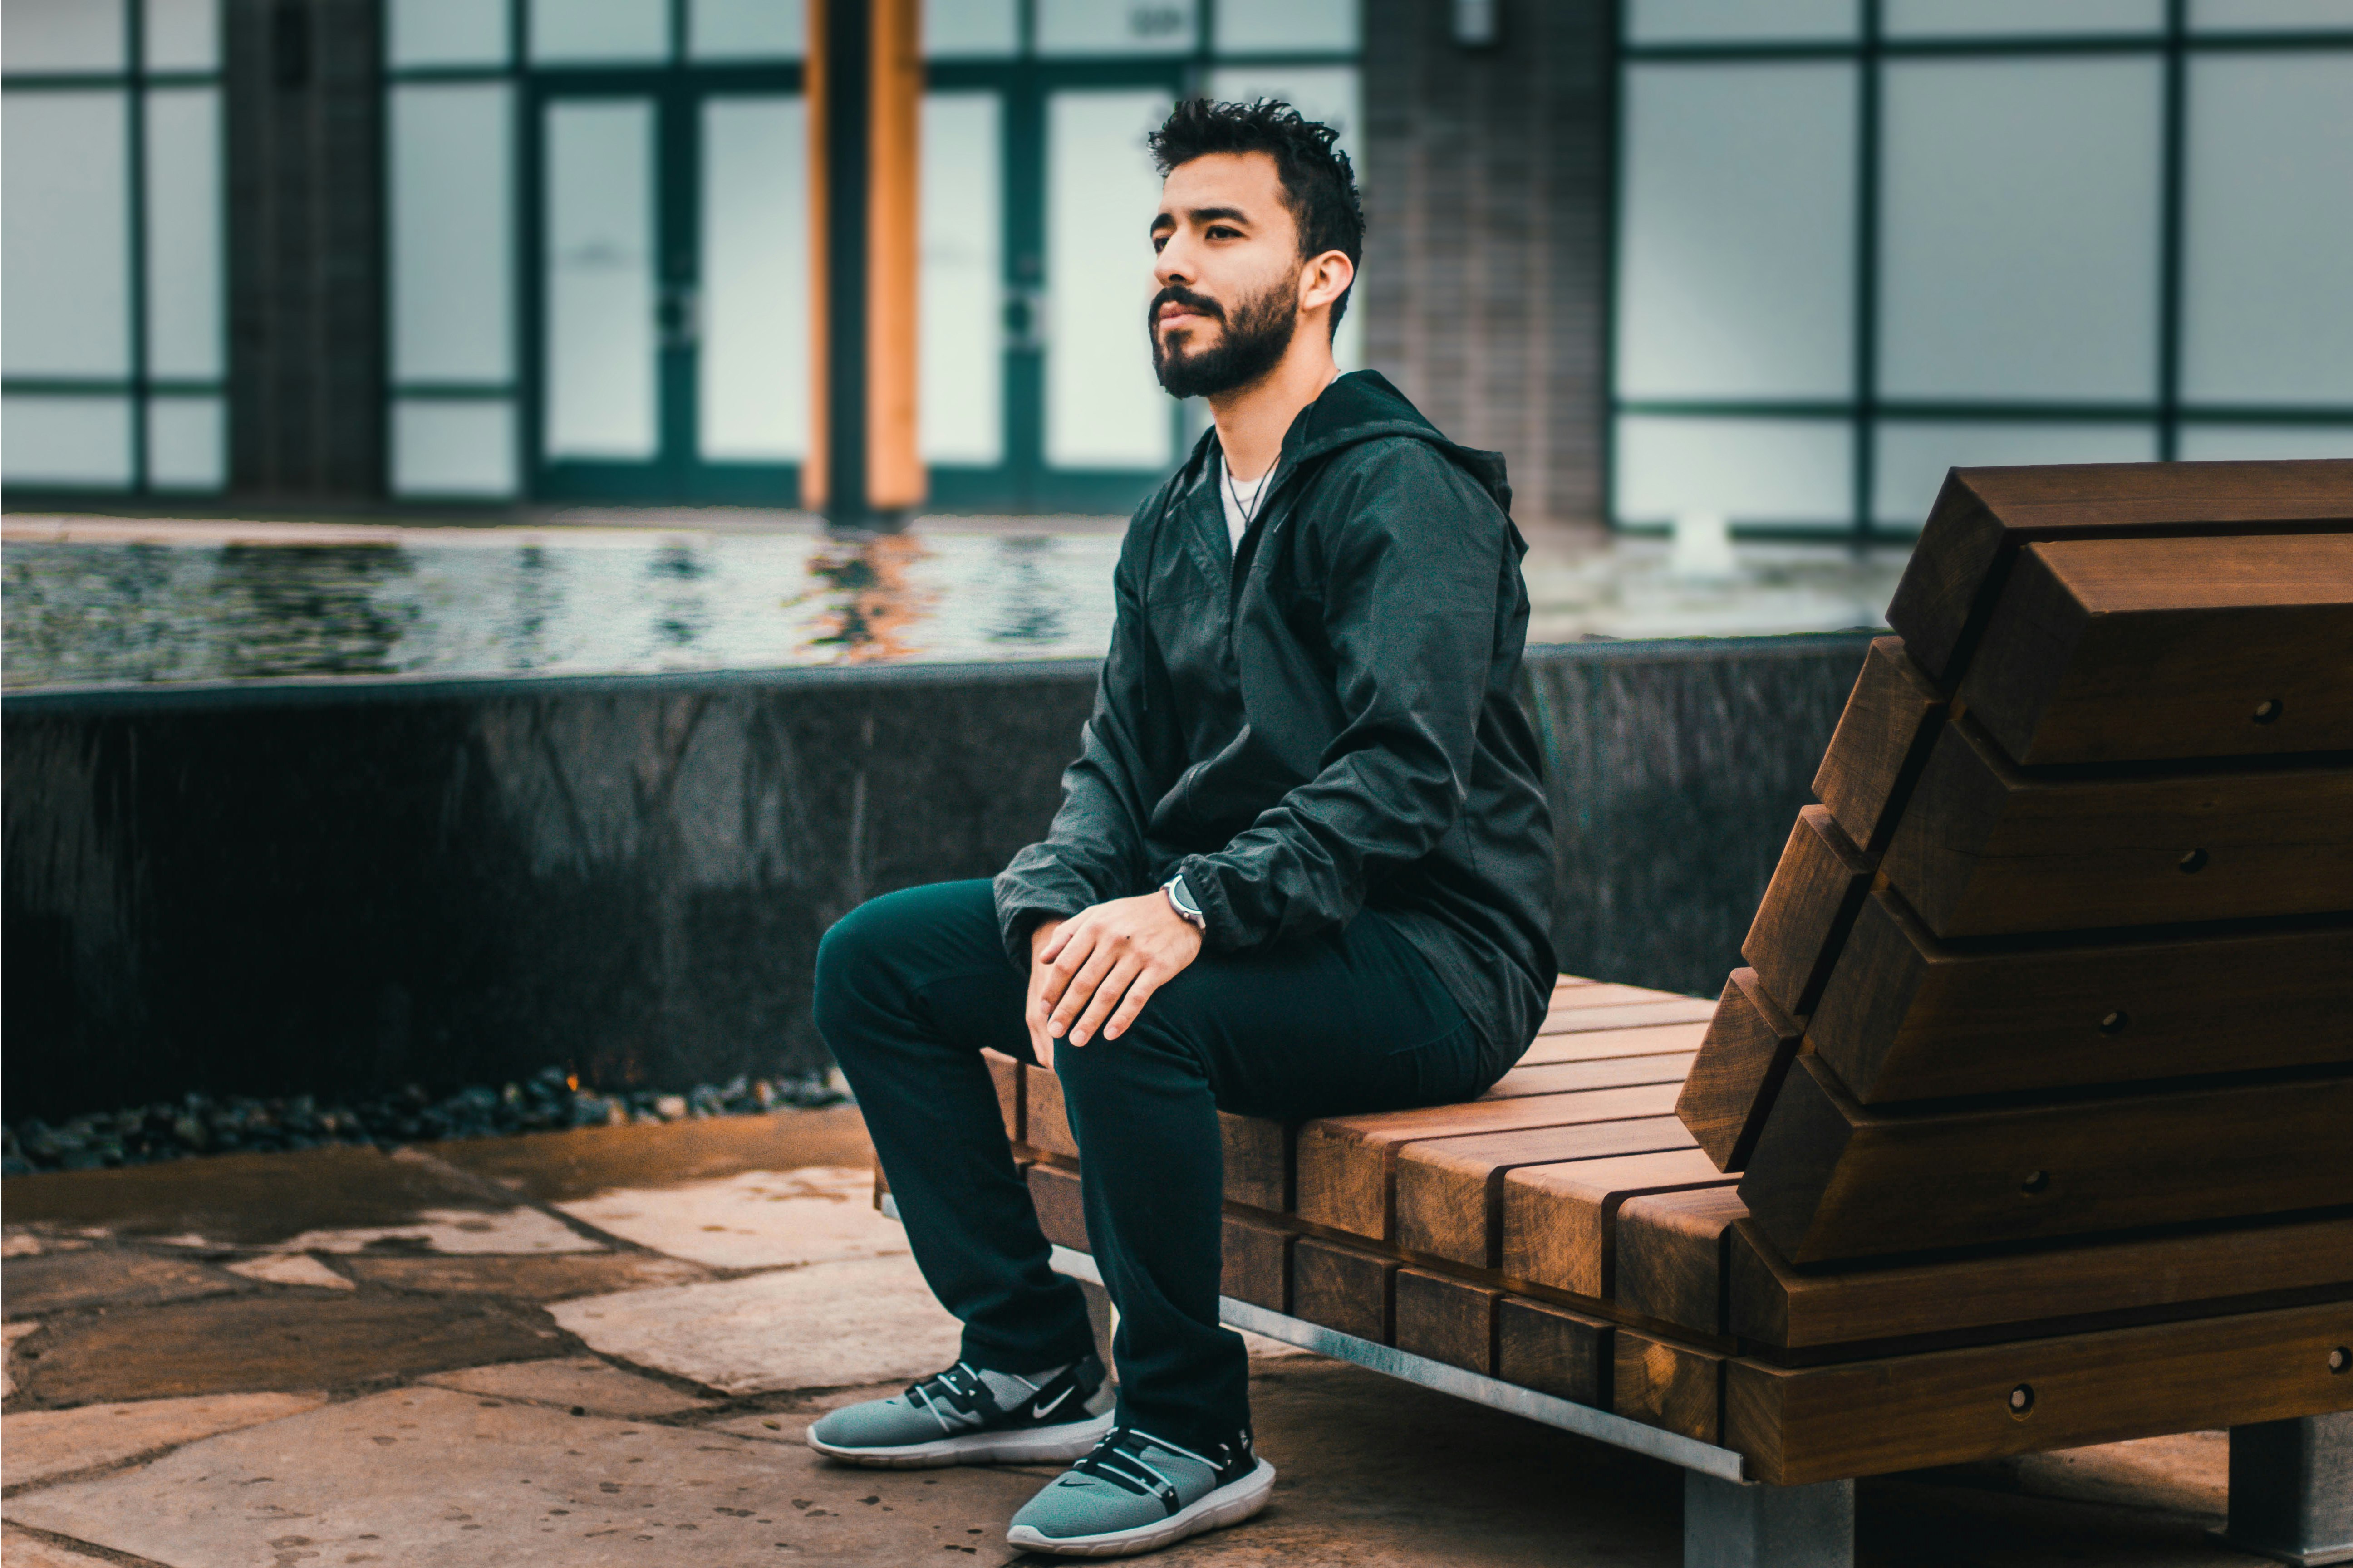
(1021,902)
(1222,930)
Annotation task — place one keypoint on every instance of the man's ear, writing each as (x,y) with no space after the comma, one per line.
(1325,278)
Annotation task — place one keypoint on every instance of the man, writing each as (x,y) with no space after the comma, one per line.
(1302,868)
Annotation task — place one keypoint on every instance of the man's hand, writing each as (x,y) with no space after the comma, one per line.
(1093,972)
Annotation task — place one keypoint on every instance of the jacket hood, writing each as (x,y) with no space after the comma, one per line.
(1360,406)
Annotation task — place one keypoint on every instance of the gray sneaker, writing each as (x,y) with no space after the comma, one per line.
(966,1415)
(1137,1493)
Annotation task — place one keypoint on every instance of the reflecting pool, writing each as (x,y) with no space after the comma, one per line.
(90,601)
(87,602)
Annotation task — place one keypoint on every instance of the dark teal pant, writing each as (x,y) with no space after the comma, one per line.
(913,985)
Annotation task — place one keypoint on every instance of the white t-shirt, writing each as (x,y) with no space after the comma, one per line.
(1240,500)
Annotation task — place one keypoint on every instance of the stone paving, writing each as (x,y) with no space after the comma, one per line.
(604,1347)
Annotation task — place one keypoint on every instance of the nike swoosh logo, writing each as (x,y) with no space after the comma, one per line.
(1048,1408)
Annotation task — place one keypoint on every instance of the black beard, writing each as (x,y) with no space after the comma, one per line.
(1257,335)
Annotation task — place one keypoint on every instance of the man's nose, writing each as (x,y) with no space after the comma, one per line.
(1174,264)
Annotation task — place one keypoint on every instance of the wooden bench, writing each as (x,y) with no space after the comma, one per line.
(2028,1123)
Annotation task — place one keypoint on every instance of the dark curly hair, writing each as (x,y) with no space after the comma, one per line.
(1319,185)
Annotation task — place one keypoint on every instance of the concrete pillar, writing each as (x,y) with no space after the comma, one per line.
(2292,1489)
(305,109)
(1728,1525)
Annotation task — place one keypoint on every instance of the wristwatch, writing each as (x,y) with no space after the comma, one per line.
(1180,899)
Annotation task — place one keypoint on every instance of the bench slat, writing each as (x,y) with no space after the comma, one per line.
(1257,1263)
(1801,923)
(1663,1384)
(1773,1304)
(1625,1016)
(1881,743)
(1671,1250)
(1055,1192)
(1450,1193)
(1906,1017)
(1649,1039)
(2105,650)
(1606,994)
(1553,1350)
(1351,1289)
(1865,1418)
(1985,850)
(1608,1072)
(1449,1321)
(1345,1165)
(1558,1219)
(1984,516)
(1833,1180)
(1749,1045)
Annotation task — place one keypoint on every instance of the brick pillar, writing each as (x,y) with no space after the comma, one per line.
(306,249)
(1486,187)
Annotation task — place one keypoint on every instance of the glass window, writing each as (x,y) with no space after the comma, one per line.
(1726,21)
(1325,93)
(453,217)
(2020,229)
(960,416)
(2218,442)
(2269,15)
(594,32)
(64,253)
(2267,284)
(72,442)
(62,36)
(1792,472)
(1286,27)
(1736,246)
(971,29)
(747,30)
(181,35)
(602,395)
(187,444)
(1104,408)
(456,448)
(1116,26)
(446,33)
(183,233)
(754,363)
(2020,18)
(1913,455)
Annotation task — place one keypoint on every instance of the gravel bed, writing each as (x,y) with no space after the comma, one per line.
(208,1124)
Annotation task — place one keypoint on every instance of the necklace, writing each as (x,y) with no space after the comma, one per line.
(1258,492)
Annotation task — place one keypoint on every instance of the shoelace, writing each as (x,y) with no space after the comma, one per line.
(953,1398)
(1119,1459)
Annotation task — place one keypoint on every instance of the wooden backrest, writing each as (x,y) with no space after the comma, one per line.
(2067,947)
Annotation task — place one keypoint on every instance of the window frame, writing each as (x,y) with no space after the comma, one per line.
(137,385)
(2173,44)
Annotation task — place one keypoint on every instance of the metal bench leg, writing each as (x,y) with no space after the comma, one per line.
(1728,1525)
(2292,1489)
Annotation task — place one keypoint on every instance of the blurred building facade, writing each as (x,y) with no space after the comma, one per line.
(1779,261)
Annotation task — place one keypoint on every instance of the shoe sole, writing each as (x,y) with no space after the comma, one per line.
(1034,1446)
(1230,1504)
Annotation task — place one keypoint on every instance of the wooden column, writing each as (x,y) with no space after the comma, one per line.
(865,92)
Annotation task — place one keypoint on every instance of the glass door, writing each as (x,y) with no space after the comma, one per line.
(668,271)
(1038,387)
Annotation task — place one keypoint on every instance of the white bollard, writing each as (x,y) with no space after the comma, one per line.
(1701,551)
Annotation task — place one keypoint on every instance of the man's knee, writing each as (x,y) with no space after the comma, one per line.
(869,957)
(850,965)
(1157,1045)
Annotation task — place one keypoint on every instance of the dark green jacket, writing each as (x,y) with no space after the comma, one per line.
(1324,721)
